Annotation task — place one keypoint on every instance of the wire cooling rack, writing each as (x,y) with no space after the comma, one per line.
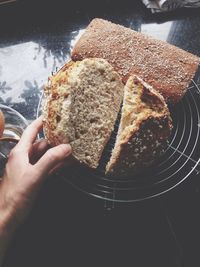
(180,160)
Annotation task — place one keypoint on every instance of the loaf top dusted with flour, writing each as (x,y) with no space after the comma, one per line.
(167,68)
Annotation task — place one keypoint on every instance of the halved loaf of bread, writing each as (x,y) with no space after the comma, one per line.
(143,131)
(81,105)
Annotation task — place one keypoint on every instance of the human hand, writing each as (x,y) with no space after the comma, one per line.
(28,165)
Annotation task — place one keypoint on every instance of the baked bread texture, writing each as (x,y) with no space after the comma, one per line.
(2,123)
(81,104)
(143,131)
(167,68)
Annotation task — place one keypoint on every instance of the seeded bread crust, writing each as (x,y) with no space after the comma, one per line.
(81,105)
(2,123)
(167,68)
(144,129)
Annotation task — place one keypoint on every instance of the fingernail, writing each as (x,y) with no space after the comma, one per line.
(67,149)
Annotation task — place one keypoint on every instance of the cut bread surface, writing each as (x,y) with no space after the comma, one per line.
(143,131)
(81,105)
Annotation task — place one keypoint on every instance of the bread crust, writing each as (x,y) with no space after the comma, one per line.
(51,105)
(167,68)
(146,138)
(2,123)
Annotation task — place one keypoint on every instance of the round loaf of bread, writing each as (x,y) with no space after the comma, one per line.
(80,107)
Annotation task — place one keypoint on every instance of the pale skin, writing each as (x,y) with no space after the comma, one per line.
(28,166)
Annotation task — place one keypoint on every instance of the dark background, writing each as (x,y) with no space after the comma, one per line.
(67,227)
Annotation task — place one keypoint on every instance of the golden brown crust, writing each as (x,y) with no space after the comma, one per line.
(2,123)
(52,104)
(145,138)
(167,68)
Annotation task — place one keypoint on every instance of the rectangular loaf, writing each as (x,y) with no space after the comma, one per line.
(167,68)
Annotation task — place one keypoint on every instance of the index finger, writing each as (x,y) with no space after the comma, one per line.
(30,134)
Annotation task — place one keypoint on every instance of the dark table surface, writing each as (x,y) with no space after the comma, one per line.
(67,227)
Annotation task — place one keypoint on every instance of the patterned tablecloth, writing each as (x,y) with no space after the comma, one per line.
(166,5)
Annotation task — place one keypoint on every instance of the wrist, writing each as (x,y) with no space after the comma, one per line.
(7,221)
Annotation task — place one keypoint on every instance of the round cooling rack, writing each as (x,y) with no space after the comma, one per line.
(180,160)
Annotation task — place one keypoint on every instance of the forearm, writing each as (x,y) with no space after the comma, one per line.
(8,224)
(6,234)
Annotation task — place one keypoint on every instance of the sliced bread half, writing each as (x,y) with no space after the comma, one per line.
(143,131)
(81,105)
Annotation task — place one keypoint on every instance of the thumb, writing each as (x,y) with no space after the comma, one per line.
(51,158)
